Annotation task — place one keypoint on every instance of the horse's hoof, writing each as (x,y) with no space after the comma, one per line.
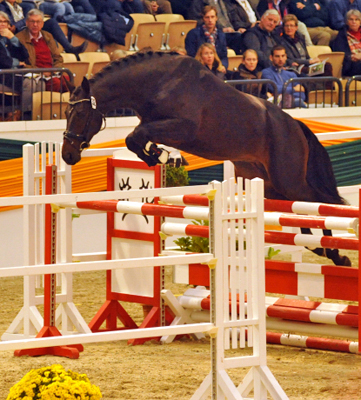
(150,161)
(344,261)
(177,162)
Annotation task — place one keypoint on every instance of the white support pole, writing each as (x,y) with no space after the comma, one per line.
(29,321)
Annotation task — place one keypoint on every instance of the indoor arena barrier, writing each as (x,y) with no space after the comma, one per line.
(218,383)
(291,278)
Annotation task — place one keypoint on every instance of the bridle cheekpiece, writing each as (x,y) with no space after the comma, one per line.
(68,135)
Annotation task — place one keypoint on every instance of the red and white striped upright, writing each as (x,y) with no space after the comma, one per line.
(130,235)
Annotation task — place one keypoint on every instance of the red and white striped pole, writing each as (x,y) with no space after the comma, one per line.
(160,210)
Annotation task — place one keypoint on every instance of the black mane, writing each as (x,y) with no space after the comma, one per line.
(130,60)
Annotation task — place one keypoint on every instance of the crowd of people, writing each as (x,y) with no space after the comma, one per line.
(272,36)
(278,33)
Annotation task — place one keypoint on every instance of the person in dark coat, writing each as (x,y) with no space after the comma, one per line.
(128,6)
(294,43)
(233,35)
(296,49)
(207,33)
(262,38)
(249,69)
(280,6)
(348,40)
(243,16)
(314,13)
(181,7)
(83,7)
(338,10)
(12,53)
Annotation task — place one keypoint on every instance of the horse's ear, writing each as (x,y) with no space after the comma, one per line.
(85,86)
(70,86)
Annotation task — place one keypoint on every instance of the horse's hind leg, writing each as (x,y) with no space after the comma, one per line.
(332,254)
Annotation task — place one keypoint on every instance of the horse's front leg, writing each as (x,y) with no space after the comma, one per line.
(171,132)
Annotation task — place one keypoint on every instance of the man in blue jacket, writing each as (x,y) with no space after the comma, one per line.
(208,32)
(279,76)
(338,10)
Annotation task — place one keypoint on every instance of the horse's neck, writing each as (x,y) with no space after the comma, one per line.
(117,90)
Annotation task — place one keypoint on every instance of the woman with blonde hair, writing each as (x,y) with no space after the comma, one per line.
(207,55)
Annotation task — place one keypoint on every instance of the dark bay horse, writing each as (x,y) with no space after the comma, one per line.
(182,104)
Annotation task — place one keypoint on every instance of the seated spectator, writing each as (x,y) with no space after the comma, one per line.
(297,54)
(12,55)
(156,7)
(43,53)
(132,6)
(128,6)
(249,69)
(181,7)
(348,40)
(294,43)
(208,56)
(338,10)
(83,7)
(315,15)
(28,5)
(117,54)
(233,34)
(295,95)
(57,9)
(282,7)
(262,38)
(180,50)
(17,21)
(241,14)
(279,5)
(207,33)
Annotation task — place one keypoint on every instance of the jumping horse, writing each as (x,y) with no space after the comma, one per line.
(183,105)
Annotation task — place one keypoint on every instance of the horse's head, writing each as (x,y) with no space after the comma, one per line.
(84,120)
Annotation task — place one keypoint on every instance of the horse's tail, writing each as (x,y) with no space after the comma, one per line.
(320,174)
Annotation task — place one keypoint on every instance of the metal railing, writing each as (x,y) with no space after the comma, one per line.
(321,91)
(255,87)
(13,105)
(353,95)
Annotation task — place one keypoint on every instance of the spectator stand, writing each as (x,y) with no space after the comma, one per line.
(150,34)
(15,107)
(234,62)
(92,57)
(79,69)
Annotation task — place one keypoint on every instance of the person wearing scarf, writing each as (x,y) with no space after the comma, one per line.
(348,40)
(208,32)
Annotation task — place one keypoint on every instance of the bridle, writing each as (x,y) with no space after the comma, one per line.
(69,136)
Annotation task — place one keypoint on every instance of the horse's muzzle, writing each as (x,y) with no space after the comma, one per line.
(70,156)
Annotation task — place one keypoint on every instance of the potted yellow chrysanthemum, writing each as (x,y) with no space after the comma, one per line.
(54,382)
